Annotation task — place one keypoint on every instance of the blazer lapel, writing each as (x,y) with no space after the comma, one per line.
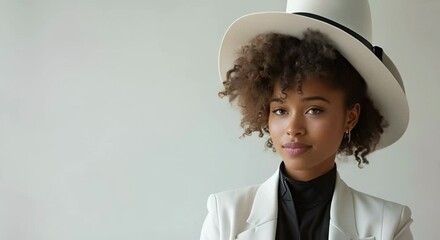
(342,214)
(263,216)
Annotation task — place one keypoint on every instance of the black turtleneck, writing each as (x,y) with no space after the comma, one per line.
(304,207)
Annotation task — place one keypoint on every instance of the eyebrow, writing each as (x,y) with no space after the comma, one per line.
(276,100)
(315,98)
(306,99)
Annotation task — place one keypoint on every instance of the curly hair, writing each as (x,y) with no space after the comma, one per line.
(272,57)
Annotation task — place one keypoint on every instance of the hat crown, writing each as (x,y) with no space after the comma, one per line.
(353,14)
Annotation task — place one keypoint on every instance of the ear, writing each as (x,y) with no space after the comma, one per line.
(352,116)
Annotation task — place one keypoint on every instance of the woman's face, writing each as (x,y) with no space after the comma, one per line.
(307,128)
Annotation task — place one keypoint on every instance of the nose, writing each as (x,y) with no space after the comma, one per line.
(296,125)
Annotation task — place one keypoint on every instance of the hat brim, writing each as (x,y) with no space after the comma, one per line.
(383,88)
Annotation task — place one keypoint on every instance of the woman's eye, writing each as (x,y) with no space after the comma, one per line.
(279,112)
(314,111)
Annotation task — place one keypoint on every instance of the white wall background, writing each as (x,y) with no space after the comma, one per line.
(111,128)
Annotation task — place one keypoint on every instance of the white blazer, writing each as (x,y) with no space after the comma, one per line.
(251,213)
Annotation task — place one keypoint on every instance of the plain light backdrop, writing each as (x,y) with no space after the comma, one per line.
(111,128)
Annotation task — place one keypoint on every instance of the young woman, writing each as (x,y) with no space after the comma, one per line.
(318,89)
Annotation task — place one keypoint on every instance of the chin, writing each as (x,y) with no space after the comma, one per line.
(299,163)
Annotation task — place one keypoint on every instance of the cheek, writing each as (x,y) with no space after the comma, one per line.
(332,131)
(275,127)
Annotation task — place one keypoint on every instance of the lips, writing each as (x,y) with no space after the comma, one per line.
(296,145)
(296,148)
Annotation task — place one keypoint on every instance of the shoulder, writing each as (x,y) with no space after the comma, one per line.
(368,204)
(241,200)
(233,202)
(239,194)
(372,216)
(378,204)
(228,212)
(394,218)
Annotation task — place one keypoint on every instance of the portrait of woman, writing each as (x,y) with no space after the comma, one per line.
(219,120)
(310,80)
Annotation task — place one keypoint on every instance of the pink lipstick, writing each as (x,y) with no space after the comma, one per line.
(296,148)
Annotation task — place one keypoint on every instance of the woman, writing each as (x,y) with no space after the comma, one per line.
(317,88)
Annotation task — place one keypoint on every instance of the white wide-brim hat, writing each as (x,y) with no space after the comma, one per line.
(347,23)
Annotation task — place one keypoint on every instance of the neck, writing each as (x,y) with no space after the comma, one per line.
(309,173)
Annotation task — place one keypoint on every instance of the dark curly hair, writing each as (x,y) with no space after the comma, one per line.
(273,57)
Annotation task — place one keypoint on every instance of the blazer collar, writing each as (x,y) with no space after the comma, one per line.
(264,212)
(342,214)
(265,206)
